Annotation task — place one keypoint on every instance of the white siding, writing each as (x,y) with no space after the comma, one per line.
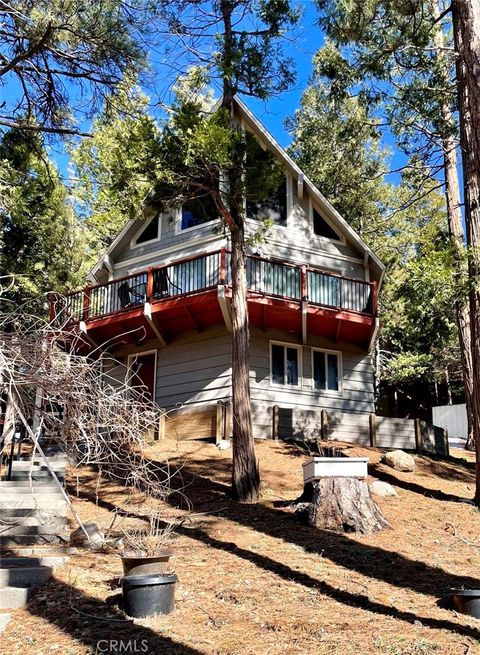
(195,369)
(453,418)
(300,407)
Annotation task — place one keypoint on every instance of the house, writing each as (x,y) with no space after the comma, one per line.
(161,299)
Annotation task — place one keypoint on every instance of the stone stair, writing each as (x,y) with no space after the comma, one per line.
(33,519)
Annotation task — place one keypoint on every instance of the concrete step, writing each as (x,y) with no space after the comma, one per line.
(46,560)
(33,540)
(14,597)
(4,621)
(21,474)
(36,479)
(11,513)
(24,464)
(35,551)
(33,530)
(24,576)
(17,484)
(47,502)
(46,520)
(33,489)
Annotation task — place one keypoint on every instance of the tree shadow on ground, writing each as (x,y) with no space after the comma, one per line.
(450,469)
(89,621)
(379,472)
(371,561)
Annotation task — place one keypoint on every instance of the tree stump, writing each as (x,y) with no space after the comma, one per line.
(344,505)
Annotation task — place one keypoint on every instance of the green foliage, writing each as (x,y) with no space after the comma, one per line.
(41,243)
(337,144)
(117,168)
(65,55)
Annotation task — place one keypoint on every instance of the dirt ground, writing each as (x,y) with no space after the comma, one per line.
(253,581)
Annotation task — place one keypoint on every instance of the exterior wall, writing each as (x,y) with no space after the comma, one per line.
(300,407)
(169,247)
(195,370)
(294,242)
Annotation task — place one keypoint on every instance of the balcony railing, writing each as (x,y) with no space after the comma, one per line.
(189,276)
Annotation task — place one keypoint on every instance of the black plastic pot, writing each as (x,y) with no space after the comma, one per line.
(148,595)
(467,601)
(139,565)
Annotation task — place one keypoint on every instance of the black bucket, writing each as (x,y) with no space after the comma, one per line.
(467,601)
(148,595)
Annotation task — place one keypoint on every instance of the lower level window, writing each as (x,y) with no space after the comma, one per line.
(284,365)
(326,371)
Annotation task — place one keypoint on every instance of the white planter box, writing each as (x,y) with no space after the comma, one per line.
(335,467)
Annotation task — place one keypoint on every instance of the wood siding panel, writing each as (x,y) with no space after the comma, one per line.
(195,368)
(197,423)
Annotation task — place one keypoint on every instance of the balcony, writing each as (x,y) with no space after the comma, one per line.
(194,293)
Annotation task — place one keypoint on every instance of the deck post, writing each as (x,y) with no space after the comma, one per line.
(374,297)
(304,282)
(324,424)
(372,421)
(418,436)
(53,301)
(275,422)
(220,422)
(86,303)
(149,285)
(223,266)
(228,420)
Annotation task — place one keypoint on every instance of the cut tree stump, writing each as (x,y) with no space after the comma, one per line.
(343,505)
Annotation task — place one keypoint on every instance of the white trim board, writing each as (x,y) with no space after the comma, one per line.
(159,254)
(138,355)
(315,193)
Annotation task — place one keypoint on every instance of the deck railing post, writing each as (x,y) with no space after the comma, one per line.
(149,285)
(86,303)
(374,297)
(223,266)
(304,283)
(53,301)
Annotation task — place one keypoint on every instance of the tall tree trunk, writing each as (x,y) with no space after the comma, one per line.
(245,472)
(466,29)
(456,232)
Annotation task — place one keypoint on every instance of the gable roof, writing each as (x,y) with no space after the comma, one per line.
(256,126)
(251,122)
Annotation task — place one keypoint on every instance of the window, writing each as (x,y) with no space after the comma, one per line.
(197,211)
(326,370)
(149,232)
(274,208)
(284,364)
(322,228)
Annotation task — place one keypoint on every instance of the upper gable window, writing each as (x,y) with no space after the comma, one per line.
(265,184)
(150,232)
(198,211)
(322,228)
(273,208)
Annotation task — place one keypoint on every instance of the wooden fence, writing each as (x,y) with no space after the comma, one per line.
(364,429)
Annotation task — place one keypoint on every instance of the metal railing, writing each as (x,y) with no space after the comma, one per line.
(187,276)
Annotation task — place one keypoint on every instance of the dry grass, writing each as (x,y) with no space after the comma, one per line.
(253,581)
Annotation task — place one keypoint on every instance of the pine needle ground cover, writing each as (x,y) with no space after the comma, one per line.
(252,581)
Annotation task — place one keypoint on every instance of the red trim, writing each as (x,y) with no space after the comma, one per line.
(262,298)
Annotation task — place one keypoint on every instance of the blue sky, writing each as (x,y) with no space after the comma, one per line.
(308,38)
